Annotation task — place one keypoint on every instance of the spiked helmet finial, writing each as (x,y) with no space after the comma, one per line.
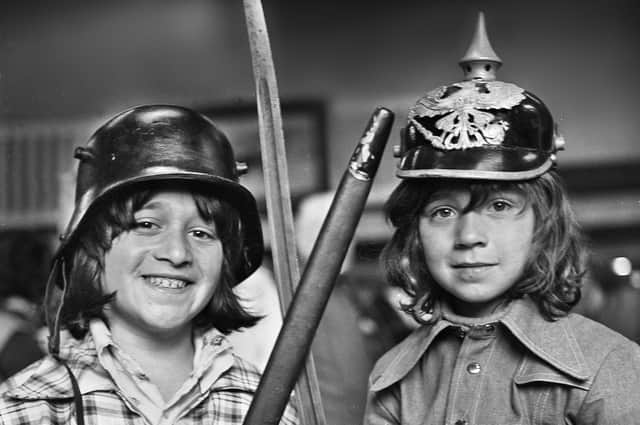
(480,61)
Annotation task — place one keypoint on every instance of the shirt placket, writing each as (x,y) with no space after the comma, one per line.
(471,368)
(142,397)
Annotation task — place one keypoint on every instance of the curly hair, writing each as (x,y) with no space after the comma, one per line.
(85,258)
(553,273)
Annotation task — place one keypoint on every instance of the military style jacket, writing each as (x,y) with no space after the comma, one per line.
(512,369)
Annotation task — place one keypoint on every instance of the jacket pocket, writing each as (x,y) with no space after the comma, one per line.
(550,397)
(551,378)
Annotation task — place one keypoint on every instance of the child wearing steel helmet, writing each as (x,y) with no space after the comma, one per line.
(161,233)
(487,246)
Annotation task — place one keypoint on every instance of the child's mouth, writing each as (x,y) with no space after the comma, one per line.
(472,265)
(166,282)
(472,271)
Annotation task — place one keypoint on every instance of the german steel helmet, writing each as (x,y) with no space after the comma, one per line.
(158,143)
(478,128)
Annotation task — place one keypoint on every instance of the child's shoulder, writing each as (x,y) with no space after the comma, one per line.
(574,343)
(27,396)
(596,339)
(36,380)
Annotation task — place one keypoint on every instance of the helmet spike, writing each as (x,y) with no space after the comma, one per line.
(480,61)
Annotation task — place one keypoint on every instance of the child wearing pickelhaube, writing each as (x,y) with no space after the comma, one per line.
(161,233)
(487,246)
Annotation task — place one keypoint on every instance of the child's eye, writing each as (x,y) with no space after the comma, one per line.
(500,206)
(144,225)
(442,213)
(203,234)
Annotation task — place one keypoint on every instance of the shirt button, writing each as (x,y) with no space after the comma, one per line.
(474,368)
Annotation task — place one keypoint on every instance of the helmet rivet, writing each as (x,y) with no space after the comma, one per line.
(397,151)
(82,153)
(242,168)
(559,141)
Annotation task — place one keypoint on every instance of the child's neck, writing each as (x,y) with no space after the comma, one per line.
(474,312)
(166,359)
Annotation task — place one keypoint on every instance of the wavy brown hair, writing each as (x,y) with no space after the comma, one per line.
(554,270)
(85,258)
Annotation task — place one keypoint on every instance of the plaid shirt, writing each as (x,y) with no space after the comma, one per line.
(43,394)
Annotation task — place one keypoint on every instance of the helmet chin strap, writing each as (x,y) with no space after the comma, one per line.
(53,323)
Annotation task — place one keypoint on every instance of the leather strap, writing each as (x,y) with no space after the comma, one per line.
(77,396)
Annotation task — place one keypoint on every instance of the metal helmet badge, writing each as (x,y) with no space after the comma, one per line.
(478,128)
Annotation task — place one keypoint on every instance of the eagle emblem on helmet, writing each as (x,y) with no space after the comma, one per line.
(464,110)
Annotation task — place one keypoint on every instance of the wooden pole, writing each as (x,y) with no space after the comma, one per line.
(325,261)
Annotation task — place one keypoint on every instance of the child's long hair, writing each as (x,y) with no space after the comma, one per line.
(553,273)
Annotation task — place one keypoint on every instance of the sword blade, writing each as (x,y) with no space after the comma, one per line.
(278,198)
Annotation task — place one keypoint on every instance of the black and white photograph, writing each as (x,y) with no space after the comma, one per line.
(252,212)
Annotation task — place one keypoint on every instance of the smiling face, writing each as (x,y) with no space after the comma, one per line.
(165,269)
(476,254)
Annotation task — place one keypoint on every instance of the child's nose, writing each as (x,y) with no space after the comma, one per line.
(174,248)
(471,231)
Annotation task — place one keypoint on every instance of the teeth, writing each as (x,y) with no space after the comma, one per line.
(163,282)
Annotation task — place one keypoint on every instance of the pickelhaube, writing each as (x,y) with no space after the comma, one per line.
(163,143)
(478,128)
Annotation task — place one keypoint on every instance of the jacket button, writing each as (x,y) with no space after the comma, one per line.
(474,368)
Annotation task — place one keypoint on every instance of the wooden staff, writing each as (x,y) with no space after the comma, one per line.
(277,194)
(321,271)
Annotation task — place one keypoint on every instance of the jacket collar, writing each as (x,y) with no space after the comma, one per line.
(396,363)
(553,342)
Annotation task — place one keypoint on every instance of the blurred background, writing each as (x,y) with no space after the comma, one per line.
(67,66)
